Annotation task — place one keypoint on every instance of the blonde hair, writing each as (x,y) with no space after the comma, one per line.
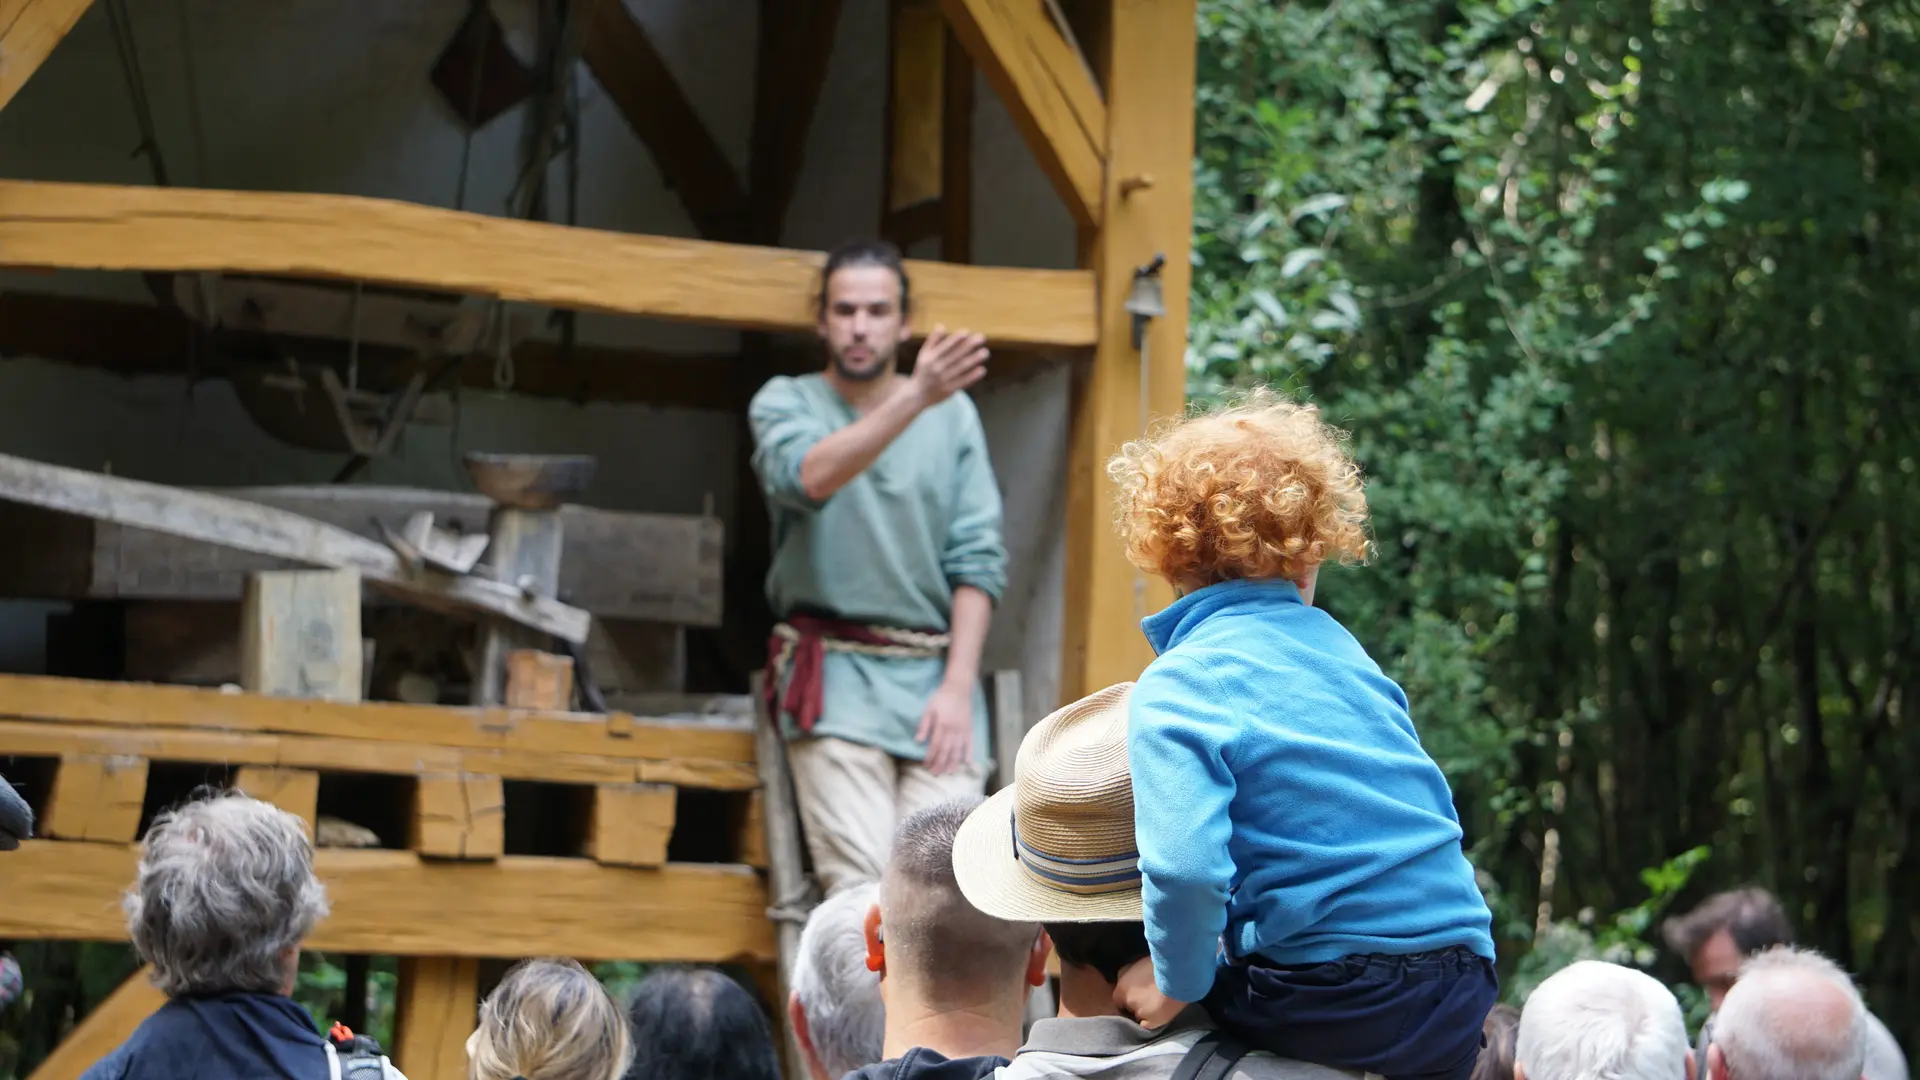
(550,1020)
(1262,489)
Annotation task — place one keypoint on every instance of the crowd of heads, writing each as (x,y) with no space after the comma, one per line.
(225,891)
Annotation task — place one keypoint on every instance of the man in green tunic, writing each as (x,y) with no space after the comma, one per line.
(887,561)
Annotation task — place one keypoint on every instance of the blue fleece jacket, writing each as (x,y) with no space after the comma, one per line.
(1281,797)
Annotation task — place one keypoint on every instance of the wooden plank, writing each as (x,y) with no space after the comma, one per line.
(297,791)
(1150,112)
(300,635)
(355,755)
(96,797)
(1045,85)
(397,903)
(245,526)
(140,705)
(622,57)
(437,1007)
(105,227)
(101,1031)
(631,824)
(459,816)
(29,30)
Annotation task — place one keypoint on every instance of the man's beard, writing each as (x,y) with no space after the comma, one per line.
(881,365)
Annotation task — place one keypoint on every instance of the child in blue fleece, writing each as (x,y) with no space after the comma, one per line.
(1299,852)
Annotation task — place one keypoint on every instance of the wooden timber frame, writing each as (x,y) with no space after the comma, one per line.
(1102,93)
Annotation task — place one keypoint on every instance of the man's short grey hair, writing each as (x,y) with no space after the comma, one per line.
(1599,1021)
(225,888)
(935,939)
(840,995)
(1792,1015)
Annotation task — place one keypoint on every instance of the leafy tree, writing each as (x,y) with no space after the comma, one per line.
(1615,296)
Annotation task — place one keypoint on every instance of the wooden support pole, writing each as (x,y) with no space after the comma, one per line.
(300,635)
(1008,711)
(103,1029)
(792,895)
(1151,59)
(524,553)
(29,29)
(439,999)
(459,816)
(297,791)
(96,797)
(632,824)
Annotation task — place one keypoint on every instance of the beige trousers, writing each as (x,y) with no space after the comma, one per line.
(852,796)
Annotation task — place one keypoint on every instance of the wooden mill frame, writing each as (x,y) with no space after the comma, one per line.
(1102,92)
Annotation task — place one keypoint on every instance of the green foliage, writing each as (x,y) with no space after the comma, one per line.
(1622,939)
(1616,299)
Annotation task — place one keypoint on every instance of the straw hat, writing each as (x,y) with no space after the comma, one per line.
(1057,844)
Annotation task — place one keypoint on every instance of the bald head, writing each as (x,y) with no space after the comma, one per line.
(1793,1015)
(937,943)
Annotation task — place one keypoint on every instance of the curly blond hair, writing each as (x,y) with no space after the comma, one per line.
(1261,489)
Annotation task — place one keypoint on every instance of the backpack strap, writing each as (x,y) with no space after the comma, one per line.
(1212,1058)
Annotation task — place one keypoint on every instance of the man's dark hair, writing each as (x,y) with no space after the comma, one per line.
(1753,917)
(1106,947)
(695,1023)
(865,253)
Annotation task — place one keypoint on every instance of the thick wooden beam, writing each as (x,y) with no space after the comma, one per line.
(634,74)
(1150,83)
(103,1029)
(438,1003)
(29,29)
(300,635)
(316,752)
(104,227)
(395,902)
(139,705)
(1045,85)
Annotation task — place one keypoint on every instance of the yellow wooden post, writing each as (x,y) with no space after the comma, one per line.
(1149,63)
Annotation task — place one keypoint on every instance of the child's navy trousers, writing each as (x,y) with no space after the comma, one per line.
(1412,1017)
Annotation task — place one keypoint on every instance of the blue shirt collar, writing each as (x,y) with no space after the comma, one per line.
(1168,627)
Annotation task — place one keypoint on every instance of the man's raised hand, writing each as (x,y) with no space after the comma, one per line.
(948,364)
